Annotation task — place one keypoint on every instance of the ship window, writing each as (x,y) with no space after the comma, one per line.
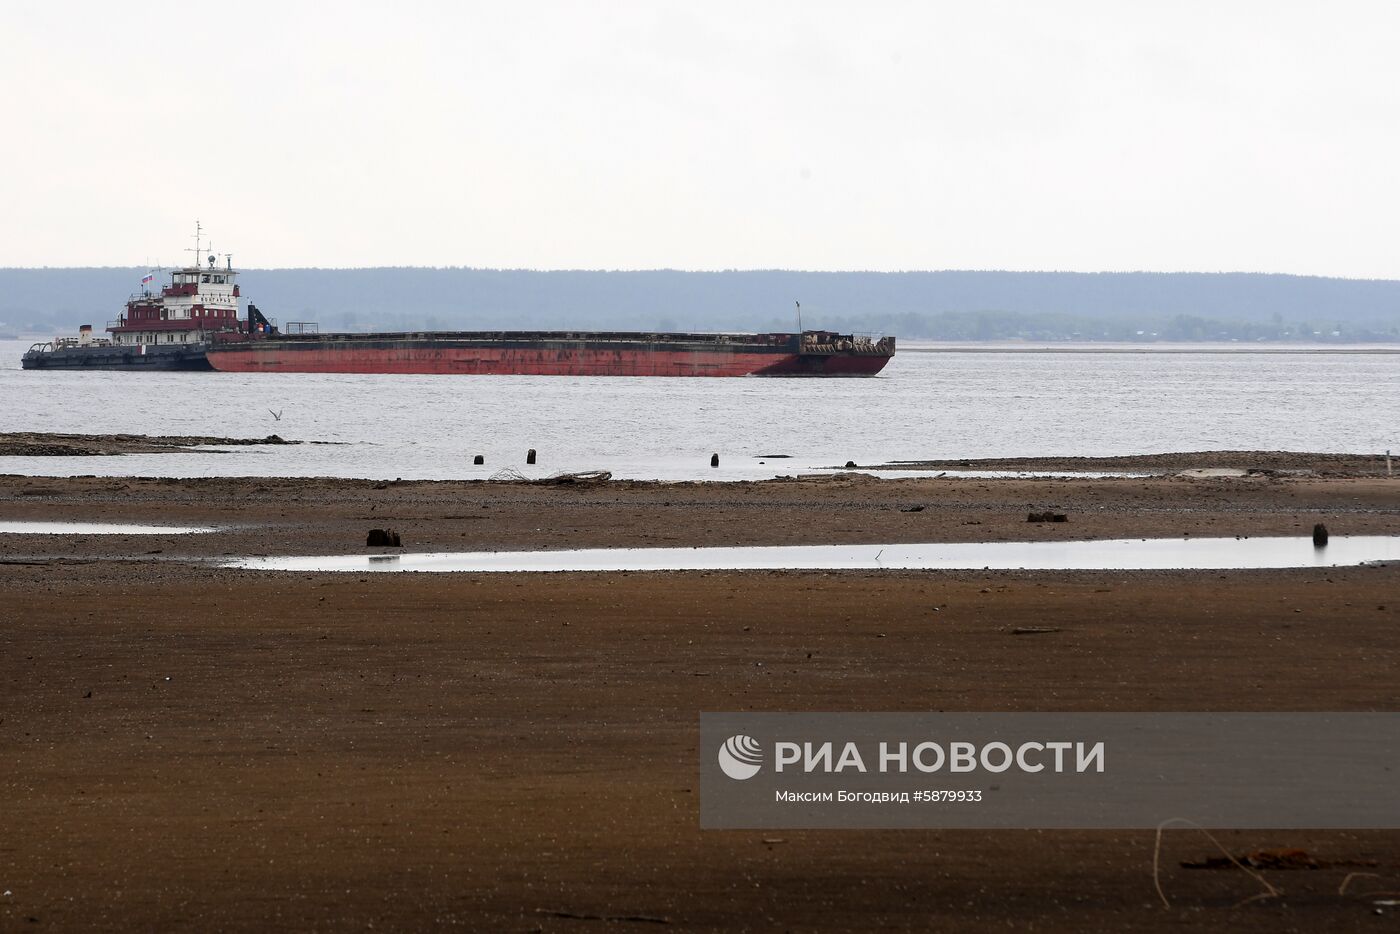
(204,279)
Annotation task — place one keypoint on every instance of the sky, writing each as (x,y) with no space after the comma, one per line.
(1203,136)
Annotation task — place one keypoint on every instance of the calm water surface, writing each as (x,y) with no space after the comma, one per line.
(925,405)
(95,528)
(1102,554)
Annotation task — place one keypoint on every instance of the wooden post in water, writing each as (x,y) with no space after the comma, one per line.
(1387,464)
(530,456)
(1319,535)
(714,460)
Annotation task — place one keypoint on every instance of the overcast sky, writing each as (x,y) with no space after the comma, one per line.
(1034,135)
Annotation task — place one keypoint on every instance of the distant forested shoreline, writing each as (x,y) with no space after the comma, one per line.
(949,305)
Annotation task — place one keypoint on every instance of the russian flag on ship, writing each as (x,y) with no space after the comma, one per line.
(147,277)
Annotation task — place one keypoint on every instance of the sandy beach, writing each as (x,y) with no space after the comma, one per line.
(189,747)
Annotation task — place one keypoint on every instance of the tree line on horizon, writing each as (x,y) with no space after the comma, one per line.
(952,305)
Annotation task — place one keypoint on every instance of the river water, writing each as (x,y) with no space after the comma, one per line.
(924,406)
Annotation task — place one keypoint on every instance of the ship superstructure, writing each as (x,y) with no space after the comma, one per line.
(197,303)
(169,329)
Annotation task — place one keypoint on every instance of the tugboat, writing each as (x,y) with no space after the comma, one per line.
(171,330)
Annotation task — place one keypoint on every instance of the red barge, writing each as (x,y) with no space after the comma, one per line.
(193,324)
(554,353)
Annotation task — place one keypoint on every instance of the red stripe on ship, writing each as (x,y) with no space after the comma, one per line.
(252,358)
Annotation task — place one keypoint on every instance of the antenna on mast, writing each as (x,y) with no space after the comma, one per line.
(197,251)
(799,317)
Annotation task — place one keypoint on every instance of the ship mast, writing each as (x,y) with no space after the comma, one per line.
(197,231)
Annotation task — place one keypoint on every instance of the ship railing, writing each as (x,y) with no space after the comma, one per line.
(627,337)
(119,323)
(812,342)
(42,347)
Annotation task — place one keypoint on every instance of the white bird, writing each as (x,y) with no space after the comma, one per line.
(276,416)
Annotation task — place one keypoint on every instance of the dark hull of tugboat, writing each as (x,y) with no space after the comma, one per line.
(552,354)
(142,358)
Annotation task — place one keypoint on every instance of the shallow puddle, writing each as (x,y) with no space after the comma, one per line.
(95,528)
(1103,554)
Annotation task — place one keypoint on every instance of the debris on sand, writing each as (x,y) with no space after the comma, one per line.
(382,538)
(1033,630)
(1047,517)
(579,477)
(563,478)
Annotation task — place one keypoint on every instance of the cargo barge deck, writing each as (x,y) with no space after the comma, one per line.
(556,353)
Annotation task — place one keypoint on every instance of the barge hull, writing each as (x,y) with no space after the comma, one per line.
(130,358)
(560,359)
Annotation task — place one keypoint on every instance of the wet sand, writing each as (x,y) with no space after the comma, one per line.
(51,444)
(518,751)
(1263,463)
